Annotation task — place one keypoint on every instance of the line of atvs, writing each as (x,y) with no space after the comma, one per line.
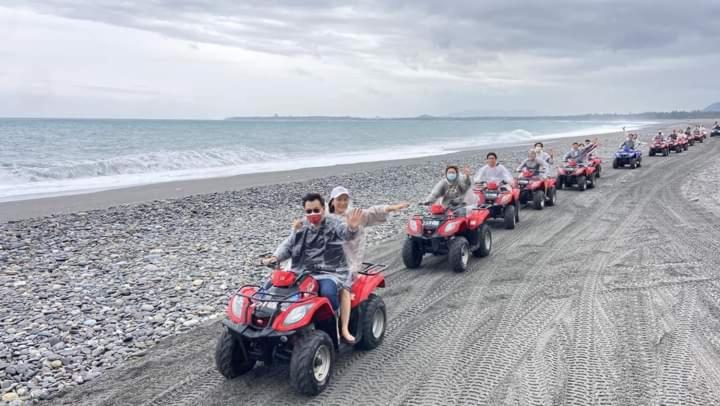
(459,230)
(287,319)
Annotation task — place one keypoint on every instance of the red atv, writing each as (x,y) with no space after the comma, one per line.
(675,145)
(286,320)
(532,189)
(682,142)
(698,135)
(500,202)
(577,173)
(659,146)
(455,231)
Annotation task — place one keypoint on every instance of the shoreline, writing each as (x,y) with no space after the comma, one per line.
(83,201)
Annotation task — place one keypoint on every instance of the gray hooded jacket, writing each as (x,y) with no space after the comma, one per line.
(320,247)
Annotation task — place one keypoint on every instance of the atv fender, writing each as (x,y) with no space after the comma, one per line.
(319,309)
(364,286)
(476,218)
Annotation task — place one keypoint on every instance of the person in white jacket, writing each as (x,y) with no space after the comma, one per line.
(494,172)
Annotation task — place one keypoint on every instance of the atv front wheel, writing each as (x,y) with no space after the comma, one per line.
(592,180)
(616,164)
(311,363)
(582,183)
(666,152)
(459,254)
(510,218)
(229,358)
(539,199)
(560,182)
(373,322)
(599,169)
(652,152)
(412,253)
(485,240)
(552,196)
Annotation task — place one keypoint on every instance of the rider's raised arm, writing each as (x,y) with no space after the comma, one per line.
(374,215)
(466,180)
(522,165)
(341,229)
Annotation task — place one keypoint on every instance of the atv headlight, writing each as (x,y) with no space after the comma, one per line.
(237,305)
(296,314)
(450,227)
(414,226)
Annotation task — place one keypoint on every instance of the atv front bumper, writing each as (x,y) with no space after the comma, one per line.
(248,332)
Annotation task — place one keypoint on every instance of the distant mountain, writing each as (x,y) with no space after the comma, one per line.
(493,113)
(715,107)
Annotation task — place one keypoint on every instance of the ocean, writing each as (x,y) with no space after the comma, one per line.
(46,157)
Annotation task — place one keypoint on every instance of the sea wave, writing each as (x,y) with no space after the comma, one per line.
(22,180)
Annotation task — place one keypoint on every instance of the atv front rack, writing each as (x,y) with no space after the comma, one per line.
(372,269)
(282,298)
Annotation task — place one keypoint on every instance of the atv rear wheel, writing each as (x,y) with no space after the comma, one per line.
(412,253)
(539,199)
(373,323)
(552,196)
(582,183)
(311,363)
(666,152)
(510,219)
(459,254)
(485,241)
(229,358)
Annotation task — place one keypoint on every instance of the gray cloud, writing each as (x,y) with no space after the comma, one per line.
(492,44)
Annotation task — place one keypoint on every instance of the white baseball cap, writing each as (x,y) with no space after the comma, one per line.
(337,191)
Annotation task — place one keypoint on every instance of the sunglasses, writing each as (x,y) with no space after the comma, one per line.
(311,211)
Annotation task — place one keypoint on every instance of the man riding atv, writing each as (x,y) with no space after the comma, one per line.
(452,188)
(534,163)
(494,172)
(574,153)
(318,244)
(629,142)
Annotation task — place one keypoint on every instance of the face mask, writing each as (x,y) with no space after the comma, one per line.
(451,177)
(538,150)
(314,218)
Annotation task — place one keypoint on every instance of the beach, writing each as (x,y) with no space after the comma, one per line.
(114,297)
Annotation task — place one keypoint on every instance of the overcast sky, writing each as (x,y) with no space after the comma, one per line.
(217,58)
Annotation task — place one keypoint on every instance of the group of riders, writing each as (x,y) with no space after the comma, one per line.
(679,133)
(330,238)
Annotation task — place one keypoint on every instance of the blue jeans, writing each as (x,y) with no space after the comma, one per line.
(329,289)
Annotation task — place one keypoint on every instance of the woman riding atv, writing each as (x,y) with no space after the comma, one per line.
(355,248)
(452,188)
